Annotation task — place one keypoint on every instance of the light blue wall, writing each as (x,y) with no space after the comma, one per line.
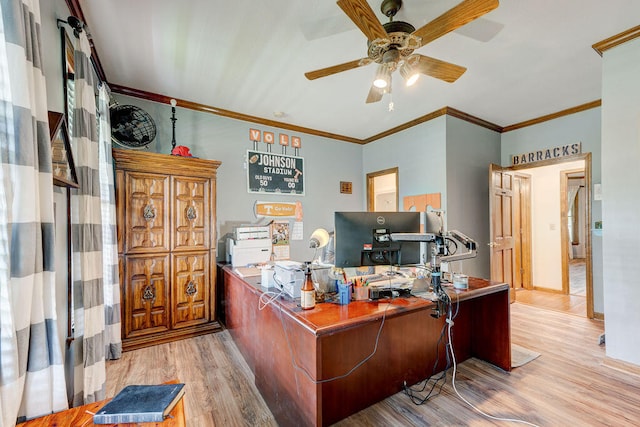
(621,205)
(451,157)
(419,154)
(470,150)
(326,163)
(582,127)
(50,12)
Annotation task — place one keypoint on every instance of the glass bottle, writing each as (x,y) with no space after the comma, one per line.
(308,292)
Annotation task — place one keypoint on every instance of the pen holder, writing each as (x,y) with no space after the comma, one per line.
(344,293)
(360,293)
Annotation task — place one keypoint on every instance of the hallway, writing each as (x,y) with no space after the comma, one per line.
(575,303)
(570,304)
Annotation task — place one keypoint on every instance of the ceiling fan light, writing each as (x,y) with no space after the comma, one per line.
(409,74)
(383,77)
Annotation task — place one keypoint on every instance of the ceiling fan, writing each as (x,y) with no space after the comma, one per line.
(392,44)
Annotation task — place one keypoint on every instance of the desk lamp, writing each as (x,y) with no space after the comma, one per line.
(319,238)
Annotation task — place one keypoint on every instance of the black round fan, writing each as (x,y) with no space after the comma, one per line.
(131,126)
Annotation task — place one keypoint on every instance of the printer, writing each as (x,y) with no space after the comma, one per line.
(249,245)
(289,277)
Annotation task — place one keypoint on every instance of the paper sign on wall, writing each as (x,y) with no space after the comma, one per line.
(277,209)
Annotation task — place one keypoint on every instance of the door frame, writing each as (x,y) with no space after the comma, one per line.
(564,227)
(588,248)
(371,191)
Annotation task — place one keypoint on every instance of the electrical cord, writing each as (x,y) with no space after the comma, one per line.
(449,324)
(267,298)
(410,391)
(350,371)
(440,379)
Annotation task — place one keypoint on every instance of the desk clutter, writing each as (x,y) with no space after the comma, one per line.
(342,286)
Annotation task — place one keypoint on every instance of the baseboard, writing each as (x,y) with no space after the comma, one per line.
(549,290)
(622,366)
(134,343)
(598,316)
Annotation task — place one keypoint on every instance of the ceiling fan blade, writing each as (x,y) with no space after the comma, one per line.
(454,18)
(375,94)
(439,69)
(324,72)
(361,14)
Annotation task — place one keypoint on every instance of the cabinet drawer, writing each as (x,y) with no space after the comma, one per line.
(146,294)
(191,291)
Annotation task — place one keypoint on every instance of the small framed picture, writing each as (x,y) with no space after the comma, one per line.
(63,168)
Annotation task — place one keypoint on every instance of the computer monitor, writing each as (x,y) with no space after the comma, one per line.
(362,238)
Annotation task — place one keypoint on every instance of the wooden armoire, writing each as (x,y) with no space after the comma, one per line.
(166,225)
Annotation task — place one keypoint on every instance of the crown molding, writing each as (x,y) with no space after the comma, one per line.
(434,114)
(163,99)
(616,40)
(407,125)
(552,116)
(150,96)
(473,119)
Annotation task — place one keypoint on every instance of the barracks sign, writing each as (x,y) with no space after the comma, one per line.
(547,154)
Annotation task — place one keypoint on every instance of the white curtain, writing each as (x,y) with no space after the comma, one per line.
(573,192)
(95,273)
(113,342)
(31,367)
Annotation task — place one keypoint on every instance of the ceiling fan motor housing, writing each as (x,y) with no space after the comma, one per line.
(400,38)
(400,41)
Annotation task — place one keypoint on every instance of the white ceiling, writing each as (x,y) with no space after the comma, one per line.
(524,60)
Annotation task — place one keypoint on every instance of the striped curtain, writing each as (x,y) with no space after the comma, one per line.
(113,343)
(88,349)
(31,367)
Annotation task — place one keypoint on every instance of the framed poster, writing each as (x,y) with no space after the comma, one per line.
(275,173)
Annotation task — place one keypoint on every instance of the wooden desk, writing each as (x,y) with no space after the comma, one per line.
(331,339)
(82,416)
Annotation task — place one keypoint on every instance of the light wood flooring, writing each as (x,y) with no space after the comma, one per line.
(566,386)
(570,304)
(574,303)
(578,276)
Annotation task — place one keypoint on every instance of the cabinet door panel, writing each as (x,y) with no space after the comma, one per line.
(191,213)
(191,289)
(147,213)
(146,295)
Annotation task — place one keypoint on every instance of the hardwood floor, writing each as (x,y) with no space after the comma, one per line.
(566,386)
(577,276)
(570,304)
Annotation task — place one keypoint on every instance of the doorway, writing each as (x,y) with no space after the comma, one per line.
(382,190)
(573,191)
(549,215)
